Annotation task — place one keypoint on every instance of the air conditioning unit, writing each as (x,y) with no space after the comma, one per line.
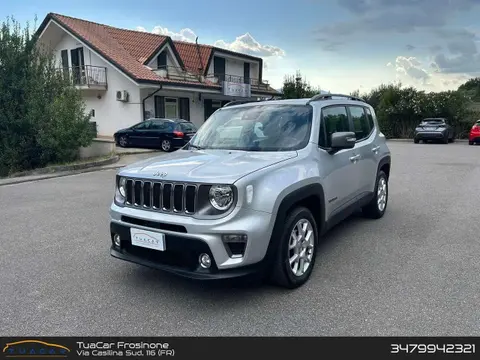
(122,95)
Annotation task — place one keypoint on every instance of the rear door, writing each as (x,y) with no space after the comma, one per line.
(366,149)
(338,170)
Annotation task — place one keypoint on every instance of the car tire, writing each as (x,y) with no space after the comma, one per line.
(416,141)
(123,141)
(470,143)
(166,145)
(374,210)
(446,140)
(283,274)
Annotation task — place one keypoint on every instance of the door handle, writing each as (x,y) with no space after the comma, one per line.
(375,149)
(355,158)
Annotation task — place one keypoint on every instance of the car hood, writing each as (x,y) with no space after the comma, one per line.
(219,166)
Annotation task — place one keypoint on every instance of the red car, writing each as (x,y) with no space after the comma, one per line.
(474,136)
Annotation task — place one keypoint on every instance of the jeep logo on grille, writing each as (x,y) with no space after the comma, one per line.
(160,174)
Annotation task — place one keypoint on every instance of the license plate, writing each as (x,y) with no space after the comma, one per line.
(429,128)
(148,239)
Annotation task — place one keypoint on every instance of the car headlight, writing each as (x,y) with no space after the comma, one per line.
(221,197)
(121,186)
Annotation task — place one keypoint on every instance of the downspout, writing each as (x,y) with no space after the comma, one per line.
(149,96)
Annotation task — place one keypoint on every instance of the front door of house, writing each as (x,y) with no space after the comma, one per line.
(171,108)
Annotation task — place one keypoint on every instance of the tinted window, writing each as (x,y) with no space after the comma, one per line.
(370,118)
(360,122)
(335,119)
(142,125)
(188,127)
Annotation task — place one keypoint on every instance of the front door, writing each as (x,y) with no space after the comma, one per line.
(339,170)
(171,108)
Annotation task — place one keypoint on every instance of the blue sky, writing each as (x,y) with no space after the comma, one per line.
(339,45)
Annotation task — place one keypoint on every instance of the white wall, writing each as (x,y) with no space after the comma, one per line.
(171,61)
(110,114)
(196,106)
(234,66)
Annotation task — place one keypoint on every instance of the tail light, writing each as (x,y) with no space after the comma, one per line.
(178,133)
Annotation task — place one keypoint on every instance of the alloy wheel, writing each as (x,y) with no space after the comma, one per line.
(382,194)
(301,247)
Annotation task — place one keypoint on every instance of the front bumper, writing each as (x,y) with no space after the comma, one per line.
(186,238)
(430,135)
(475,137)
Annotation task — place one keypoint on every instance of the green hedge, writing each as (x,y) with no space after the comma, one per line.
(42,116)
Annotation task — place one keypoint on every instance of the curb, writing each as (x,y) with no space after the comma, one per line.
(411,140)
(137,152)
(61,168)
(20,180)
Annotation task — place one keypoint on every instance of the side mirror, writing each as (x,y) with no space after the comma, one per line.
(343,140)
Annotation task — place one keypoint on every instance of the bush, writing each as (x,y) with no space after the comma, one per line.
(42,115)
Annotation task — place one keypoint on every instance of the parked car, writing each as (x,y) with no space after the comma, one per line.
(168,134)
(254,199)
(434,129)
(474,136)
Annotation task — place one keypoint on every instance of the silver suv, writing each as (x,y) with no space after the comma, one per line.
(254,190)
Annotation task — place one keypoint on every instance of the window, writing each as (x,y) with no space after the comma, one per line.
(360,122)
(188,127)
(335,119)
(370,118)
(257,128)
(171,108)
(162,60)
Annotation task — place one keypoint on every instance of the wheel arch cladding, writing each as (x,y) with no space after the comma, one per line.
(384,165)
(310,196)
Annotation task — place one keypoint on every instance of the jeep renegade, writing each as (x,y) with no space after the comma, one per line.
(254,190)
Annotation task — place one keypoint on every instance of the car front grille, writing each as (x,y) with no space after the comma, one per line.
(162,196)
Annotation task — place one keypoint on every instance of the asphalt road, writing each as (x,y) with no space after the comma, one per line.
(414,272)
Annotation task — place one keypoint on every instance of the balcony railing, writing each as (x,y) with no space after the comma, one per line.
(87,76)
(176,73)
(255,83)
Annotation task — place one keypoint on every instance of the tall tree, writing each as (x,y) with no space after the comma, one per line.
(295,87)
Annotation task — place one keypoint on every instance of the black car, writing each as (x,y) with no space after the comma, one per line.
(168,134)
(434,129)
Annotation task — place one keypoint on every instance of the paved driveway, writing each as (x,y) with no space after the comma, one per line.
(414,272)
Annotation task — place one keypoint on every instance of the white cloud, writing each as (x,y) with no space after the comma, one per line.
(424,75)
(186,34)
(247,44)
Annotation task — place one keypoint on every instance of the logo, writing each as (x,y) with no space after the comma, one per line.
(25,349)
(160,174)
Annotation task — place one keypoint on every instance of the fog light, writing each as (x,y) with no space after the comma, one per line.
(116,240)
(205,261)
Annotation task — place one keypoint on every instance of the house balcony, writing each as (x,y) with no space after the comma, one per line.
(255,84)
(87,77)
(178,74)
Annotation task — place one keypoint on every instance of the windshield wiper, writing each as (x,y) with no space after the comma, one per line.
(195,147)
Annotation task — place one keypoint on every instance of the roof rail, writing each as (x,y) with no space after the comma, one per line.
(329,96)
(239,102)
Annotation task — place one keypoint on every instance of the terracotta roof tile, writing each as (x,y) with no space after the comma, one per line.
(195,61)
(129,49)
(102,39)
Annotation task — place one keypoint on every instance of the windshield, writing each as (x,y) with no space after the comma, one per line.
(433,121)
(256,128)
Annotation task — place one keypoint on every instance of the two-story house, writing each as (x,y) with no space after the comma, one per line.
(128,76)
